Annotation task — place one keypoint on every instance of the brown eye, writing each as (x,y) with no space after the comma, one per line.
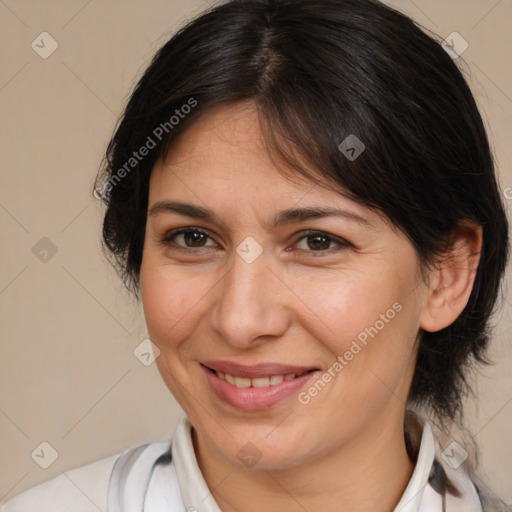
(320,242)
(187,238)
(194,238)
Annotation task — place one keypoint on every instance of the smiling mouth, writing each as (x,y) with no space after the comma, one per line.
(259,387)
(257,382)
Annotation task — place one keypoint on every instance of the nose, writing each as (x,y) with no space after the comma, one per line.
(250,304)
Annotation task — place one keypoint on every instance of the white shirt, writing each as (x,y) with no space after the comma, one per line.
(135,481)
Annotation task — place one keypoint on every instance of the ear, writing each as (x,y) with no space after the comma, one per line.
(450,284)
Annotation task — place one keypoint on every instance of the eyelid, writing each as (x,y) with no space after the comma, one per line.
(168,235)
(342,243)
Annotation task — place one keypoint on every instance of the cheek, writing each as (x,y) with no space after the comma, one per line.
(171,302)
(367,324)
(343,308)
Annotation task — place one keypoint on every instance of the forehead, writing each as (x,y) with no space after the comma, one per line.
(223,158)
(227,140)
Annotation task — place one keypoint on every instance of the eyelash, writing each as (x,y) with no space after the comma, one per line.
(167,240)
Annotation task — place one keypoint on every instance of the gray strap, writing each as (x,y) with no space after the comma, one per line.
(124,497)
(491,503)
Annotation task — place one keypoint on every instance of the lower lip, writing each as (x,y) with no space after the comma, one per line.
(253,399)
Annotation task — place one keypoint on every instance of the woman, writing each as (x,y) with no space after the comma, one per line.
(303,196)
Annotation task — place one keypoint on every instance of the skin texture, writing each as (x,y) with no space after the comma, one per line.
(302,301)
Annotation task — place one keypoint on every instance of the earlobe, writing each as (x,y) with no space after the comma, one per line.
(451,282)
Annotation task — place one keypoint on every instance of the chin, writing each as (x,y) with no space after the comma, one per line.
(249,457)
(251,452)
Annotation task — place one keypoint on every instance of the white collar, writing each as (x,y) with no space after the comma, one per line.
(419,495)
(413,495)
(194,489)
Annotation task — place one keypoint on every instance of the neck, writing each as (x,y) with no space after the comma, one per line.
(370,472)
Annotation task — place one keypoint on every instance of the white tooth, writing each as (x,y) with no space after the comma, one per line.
(276,379)
(260,382)
(242,382)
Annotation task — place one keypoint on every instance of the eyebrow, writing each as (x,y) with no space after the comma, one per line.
(285,217)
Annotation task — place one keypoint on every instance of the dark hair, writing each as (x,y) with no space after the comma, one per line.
(319,71)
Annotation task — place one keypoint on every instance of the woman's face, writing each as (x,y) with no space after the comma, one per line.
(256,280)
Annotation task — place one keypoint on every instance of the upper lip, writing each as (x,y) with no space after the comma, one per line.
(256,370)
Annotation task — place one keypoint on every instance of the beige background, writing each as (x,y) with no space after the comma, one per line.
(68,375)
